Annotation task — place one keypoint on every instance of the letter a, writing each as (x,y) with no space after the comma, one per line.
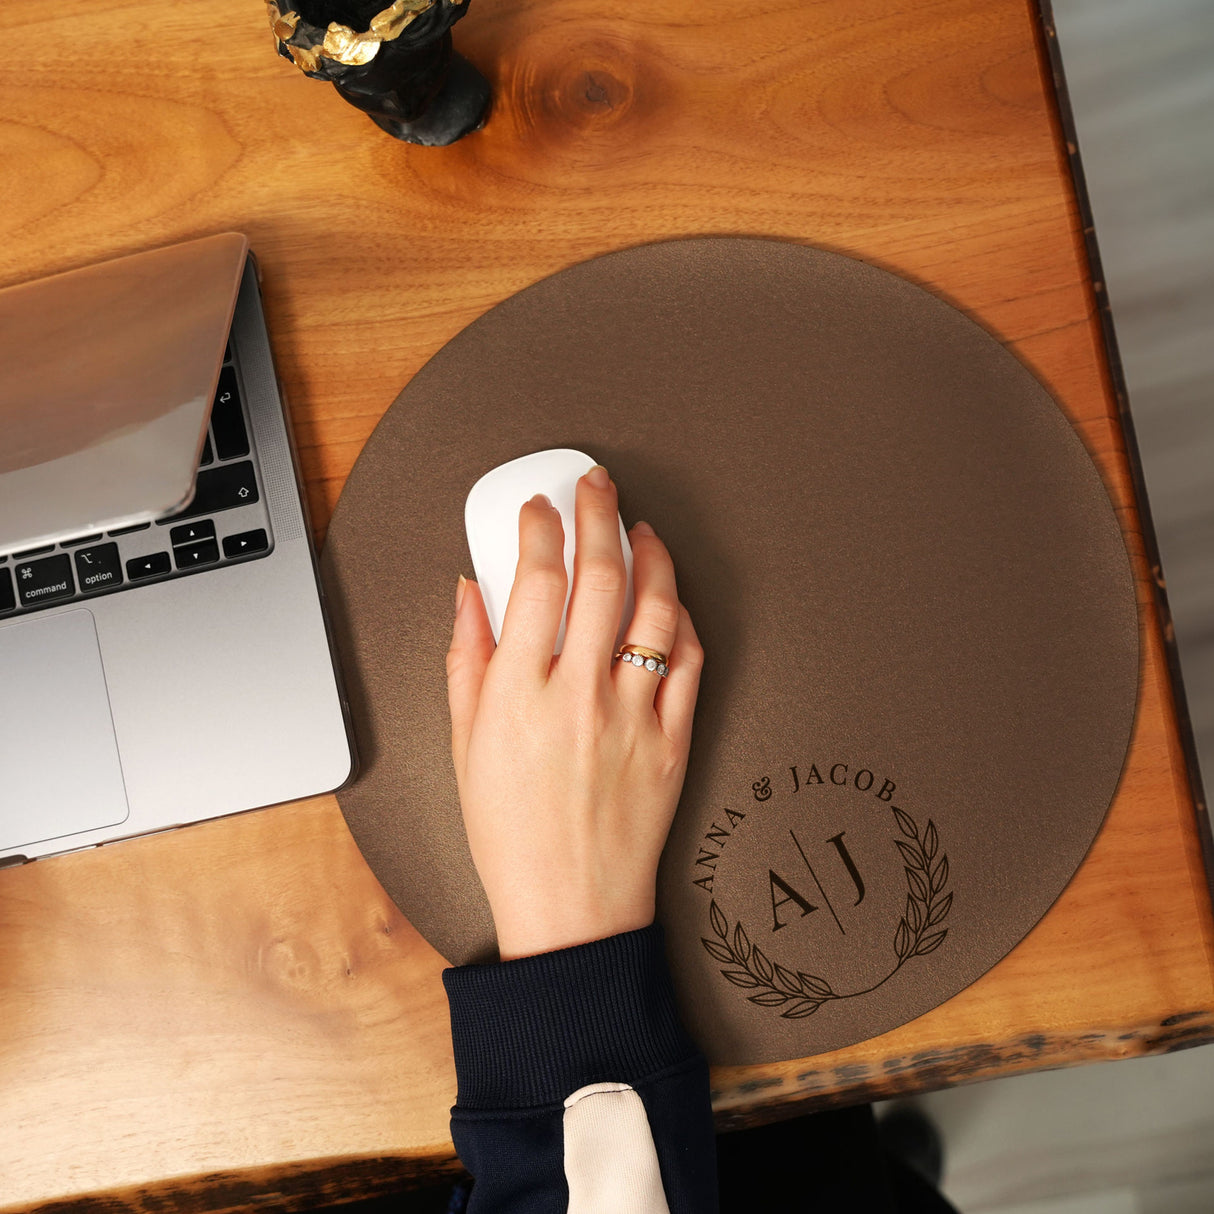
(790,895)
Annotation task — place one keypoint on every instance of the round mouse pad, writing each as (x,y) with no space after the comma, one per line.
(916,607)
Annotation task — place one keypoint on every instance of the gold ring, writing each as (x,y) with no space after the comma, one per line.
(638,655)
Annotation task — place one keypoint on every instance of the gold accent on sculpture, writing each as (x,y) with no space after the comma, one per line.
(346,46)
(392,20)
(283,24)
(342,44)
(305,58)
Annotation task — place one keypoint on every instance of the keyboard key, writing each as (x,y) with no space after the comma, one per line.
(130,530)
(148,566)
(227,418)
(80,539)
(98,568)
(187,533)
(218,489)
(7,599)
(227,353)
(208,456)
(245,543)
(205,552)
(45,581)
(34,551)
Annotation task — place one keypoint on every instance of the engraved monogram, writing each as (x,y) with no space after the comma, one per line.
(920,930)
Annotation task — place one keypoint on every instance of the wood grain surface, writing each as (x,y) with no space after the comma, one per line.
(234,1014)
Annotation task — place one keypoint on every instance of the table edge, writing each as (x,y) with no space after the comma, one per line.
(1050,53)
(272,1189)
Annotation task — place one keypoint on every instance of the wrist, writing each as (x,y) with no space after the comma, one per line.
(527,933)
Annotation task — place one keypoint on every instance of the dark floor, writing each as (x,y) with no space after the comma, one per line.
(825,1163)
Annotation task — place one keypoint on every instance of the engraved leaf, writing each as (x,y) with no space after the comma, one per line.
(902,941)
(769,999)
(940,875)
(814,986)
(929,944)
(910,854)
(801,1009)
(914,913)
(717,950)
(906,824)
(741,978)
(940,909)
(741,943)
(761,965)
(918,883)
(787,980)
(719,924)
(931,841)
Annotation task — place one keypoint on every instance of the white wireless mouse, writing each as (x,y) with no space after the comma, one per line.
(491,520)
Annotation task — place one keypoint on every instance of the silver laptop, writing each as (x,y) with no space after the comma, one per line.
(163,653)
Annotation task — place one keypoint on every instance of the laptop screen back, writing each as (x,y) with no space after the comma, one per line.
(106,385)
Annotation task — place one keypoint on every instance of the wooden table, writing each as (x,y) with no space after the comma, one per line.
(235,1012)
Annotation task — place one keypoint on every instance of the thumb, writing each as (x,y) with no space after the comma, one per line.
(467,659)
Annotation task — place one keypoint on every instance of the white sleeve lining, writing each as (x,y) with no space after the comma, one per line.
(611,1164)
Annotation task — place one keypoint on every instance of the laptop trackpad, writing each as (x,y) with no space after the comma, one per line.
(58,754)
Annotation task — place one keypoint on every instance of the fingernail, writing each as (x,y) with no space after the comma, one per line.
(460,587)
(643,529)
(540,499)
(598,477)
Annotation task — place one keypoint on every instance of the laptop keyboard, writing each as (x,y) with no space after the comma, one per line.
(225,522)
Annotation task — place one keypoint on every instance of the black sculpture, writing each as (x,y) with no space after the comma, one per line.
(395,63)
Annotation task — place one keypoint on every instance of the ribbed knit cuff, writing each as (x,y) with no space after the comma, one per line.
(531,1031)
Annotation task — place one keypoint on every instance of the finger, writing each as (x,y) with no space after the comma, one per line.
(599,577)
(676,698)
(655,618)
(467,659)
(537,598)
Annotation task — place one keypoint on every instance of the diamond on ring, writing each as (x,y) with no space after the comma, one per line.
(650,659)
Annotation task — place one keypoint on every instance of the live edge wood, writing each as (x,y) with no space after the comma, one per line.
(234,1014)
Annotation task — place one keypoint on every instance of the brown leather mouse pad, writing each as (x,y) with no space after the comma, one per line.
(916,606)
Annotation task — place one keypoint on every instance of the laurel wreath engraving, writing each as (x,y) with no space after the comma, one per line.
(920,931)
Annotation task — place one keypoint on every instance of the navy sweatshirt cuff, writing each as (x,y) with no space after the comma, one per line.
(531,1031)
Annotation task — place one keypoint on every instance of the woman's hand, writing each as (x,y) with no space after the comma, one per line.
(570,768)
